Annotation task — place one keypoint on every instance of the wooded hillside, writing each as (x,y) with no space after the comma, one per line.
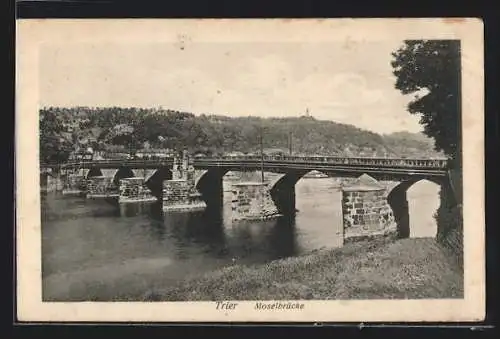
(63,130)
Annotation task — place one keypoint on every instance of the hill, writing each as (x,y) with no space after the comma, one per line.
(64,130)
(411,144)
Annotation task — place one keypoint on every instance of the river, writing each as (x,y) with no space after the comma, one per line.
(95,250)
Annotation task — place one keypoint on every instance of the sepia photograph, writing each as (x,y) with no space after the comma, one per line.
(250,170)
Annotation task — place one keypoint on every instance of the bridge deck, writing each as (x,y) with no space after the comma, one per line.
(274,162)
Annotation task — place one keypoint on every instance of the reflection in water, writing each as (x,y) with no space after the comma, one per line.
(283,238)
(135,209)
(259,241)
(97,250)
(156,210)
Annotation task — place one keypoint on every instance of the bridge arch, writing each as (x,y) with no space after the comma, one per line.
(199,174)
(155,181)
(93,172)
(283,189)
(122,173)
(398,201)
(209,184)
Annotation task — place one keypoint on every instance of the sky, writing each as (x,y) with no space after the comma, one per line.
(351,84)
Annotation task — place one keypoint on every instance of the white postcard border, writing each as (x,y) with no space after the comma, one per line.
(31,33)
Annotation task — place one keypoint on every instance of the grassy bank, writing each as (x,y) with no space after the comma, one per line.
(409,268)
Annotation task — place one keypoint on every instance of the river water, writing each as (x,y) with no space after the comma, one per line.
(96,250)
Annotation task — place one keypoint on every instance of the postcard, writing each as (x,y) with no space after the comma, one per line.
(250,170)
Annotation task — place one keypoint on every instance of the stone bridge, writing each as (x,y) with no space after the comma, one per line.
(205,175)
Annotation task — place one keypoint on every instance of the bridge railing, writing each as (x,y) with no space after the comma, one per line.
(380,162)
(118,162)
(348,161)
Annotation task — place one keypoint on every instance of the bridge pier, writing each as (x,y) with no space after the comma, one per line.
(50,182)
(75,184)
(102,187)
(365,210)
(134,190)
(189,187)
(180,193)
(252,201)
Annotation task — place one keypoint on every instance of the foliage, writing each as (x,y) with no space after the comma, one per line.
(128,129)
(450,220)
(53,146)
(411,144)
(432,66)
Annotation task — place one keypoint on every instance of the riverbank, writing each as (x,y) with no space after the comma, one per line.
(385,268)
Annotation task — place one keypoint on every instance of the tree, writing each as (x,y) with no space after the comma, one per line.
(123,134)
(65,130)
(53,147)
(433,66)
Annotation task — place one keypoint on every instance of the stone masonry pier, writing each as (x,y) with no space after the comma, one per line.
(181,183)
(50,182)
(135,190)
(252,201)
(180,193)
(75,184)
(102,187)
(365,210)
